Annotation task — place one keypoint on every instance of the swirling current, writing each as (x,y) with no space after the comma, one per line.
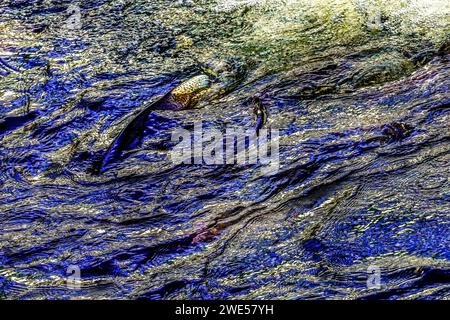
(358,89)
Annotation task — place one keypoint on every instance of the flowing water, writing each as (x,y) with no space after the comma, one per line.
(359,91)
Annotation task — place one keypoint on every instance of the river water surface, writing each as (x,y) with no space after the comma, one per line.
(359,91)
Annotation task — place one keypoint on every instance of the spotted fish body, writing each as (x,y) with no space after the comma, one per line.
(189,92)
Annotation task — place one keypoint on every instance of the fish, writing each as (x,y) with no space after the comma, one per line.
(183,96)
(188,93)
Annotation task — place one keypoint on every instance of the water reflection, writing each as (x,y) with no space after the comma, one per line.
(358,89)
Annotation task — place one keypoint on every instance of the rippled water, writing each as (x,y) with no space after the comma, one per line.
(358,89)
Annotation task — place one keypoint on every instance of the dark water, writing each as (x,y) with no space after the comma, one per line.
(363,111)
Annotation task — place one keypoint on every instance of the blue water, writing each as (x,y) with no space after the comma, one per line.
(364,179)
